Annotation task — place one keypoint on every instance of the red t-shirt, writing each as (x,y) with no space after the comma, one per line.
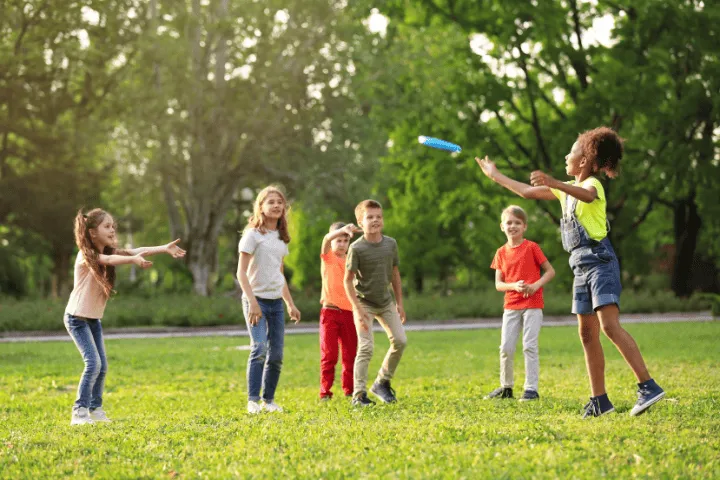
(520,263)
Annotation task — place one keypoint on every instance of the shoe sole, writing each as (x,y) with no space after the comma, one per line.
(528,399)
(646,405)
(601,413)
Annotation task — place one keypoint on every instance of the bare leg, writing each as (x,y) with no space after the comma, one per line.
(610,320)
(589,330)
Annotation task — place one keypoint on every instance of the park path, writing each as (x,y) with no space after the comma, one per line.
(291,329)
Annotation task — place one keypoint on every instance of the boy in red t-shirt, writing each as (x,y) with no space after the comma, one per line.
(517,267)
(336,317)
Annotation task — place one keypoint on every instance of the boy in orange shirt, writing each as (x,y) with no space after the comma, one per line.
(336,317)
(517,267)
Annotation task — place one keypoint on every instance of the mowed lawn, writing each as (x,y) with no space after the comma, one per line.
(179,411)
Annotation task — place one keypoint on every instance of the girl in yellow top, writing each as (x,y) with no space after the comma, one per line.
(596,287)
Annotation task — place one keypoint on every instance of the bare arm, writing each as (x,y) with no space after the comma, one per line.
(585,195)
(115,260)
(502,286)
(170,248)
(294,312)
(548,274)
(519,188)
(359,313)
(348,229)
(254,312)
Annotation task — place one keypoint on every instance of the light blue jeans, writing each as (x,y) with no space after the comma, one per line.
(87,335)
(267,341)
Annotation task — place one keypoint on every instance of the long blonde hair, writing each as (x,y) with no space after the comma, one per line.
(257,220)
(103,274)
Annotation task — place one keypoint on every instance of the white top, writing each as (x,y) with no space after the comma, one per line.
(268,250)
(87,298)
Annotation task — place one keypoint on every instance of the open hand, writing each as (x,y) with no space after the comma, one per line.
(542,179)
(141,262)
(488,167)
(173,249)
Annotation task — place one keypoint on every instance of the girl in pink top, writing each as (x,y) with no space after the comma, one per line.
(92,286)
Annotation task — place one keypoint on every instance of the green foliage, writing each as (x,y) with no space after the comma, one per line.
(148,308)
(178,407)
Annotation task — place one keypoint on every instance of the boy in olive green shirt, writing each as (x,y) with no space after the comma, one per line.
(371,267)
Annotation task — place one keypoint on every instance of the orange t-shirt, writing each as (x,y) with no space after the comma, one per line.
(332,270)
(520,263)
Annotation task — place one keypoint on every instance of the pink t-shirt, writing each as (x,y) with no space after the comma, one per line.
(87,298)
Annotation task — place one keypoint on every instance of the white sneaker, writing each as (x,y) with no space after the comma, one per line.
(254,407)
(98,415)
(272,407)
(81,416)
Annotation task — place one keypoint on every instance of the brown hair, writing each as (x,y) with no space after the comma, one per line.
(515,211)
(365,205)
(336,226)
(257,220)
(103,274)
(604,147)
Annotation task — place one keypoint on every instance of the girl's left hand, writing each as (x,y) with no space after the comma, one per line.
(294,314)
(541,179)
(173,249)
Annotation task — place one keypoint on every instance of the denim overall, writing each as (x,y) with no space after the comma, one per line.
(594,264)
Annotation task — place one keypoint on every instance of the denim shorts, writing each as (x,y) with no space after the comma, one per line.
(597,277)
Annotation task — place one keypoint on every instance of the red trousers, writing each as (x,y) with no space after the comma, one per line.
(336,329)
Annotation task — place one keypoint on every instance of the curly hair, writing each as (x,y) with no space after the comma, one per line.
(604,147)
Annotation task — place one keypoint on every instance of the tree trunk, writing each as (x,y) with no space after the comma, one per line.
(687,224)
(59,287)
(419,281)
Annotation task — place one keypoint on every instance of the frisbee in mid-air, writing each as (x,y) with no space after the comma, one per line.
(439,144)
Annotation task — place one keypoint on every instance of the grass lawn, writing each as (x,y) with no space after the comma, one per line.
(179,411)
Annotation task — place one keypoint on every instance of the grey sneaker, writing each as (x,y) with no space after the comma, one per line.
(384,391)
(530,395)
(81,416)
(500,392)
(99,415)
(362,400)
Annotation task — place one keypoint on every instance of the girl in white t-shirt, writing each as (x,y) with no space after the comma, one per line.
(93,283)
(263,247)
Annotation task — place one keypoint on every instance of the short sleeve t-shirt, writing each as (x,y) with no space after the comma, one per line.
(87,298)
(267,250)
(372,263)
(592,216)
(333,281)
(520,263)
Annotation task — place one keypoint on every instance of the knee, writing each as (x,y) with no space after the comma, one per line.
(365,351)
(399,343)
(588,335)
(530,348)
(258,351)
(613,331)
(507,350)
(93,365)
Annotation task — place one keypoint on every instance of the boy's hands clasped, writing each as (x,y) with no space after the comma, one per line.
(527,289)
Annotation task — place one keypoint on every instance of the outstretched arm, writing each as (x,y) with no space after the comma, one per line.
(519,188)
(170,248)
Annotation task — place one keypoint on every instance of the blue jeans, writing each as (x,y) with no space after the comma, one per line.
(267,341)
(87,335)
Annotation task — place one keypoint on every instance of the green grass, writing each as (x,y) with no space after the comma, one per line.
(179,405)
(126,310)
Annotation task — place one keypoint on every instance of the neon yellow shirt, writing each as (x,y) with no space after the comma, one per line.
(592,216)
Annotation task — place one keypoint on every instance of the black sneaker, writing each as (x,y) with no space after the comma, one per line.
(530,395)
(383,391)
(362,400)
(649,393)
(500,392)
(594,408)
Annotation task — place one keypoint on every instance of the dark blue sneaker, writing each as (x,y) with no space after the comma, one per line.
(500,392)
(383,391)
(649,393)
(362,400)
(596,408)
(529,396)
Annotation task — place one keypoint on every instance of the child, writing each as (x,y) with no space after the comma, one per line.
(596,288)
(93,284)
(371,267)
(261,275)
(517,267)
(336,318)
